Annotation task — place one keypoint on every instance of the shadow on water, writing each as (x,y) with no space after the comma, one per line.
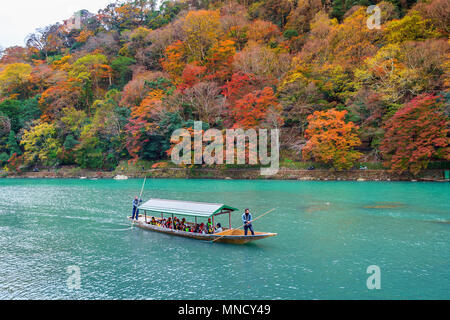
(193,244)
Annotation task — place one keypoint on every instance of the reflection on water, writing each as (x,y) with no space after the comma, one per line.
(328,234)
(385,205)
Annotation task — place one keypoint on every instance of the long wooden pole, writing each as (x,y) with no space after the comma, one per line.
(142,189)
(243,225)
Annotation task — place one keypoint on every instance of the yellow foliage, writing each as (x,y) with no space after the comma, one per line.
(410,27)
(13,76)
(40,144)
(202,28)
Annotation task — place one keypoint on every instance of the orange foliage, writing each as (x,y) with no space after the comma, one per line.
(263,31)
(64,94)
(331,139)
(84,36)
(257,109)
(174,60)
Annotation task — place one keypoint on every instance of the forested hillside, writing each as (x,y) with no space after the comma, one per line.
(102,88)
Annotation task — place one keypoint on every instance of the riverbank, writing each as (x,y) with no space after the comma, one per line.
(234,173)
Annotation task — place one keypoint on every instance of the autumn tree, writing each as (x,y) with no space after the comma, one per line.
(64,94)
(93,71)
(136,90)
(15,80)
(220,60)
(262,31)
(258,109)
(410,27)
(47,41)
(41,145)
(201,29)
(175,59)
(14,54)
(44,75)
(399,71)
(262,61)
(100,142)
(143,124)
(240,85)
(352,41)
(192,74)
(331,139)
(437,11)
(206,102)
(301,16)
(416,134)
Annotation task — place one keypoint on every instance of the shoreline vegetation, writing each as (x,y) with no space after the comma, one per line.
(100,89)
(296,171)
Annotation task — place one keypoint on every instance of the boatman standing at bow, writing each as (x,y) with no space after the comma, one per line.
(247,219)
(136,203)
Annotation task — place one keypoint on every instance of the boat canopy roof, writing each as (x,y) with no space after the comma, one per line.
(185,208)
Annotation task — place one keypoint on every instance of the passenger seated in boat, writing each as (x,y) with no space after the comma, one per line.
(169,223)
(183,224)
(153,221)
(218,228)
(209,226)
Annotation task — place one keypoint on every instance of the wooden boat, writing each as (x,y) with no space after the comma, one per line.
(202,210)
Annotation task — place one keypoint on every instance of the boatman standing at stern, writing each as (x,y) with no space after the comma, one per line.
(136,203)
(247,219)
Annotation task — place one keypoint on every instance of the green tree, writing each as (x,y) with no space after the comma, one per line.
(12,145)
(41,144)
(411,27)
(122,72)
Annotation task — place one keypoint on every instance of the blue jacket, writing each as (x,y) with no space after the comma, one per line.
(246,218)
(136,203)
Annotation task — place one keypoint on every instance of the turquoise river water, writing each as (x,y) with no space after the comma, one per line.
(329,233)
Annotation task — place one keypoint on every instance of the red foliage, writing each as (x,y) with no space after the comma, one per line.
(142,124)
(240,85)
(257,109)
(220,61)
(416,134)
(192,74)
(14,163)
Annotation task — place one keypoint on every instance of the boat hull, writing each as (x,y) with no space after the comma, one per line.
(227,236)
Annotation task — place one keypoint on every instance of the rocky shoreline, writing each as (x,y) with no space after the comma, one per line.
(230,174)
